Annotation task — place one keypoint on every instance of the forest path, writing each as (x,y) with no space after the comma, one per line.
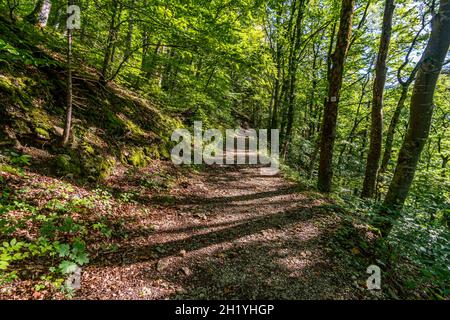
(228,233)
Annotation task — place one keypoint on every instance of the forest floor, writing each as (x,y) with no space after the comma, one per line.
(223,232)
(228,233)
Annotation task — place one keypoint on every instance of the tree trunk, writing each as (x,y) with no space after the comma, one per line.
(309,112)
(68,121)
(109,44)
(130,30)
(391,130)
(376,132)
(401,103)
(331,108)
(85,8)
(356,121)
(276,98)
(421,111)
(317,117)
(292,74)
(40,13)
(445,160)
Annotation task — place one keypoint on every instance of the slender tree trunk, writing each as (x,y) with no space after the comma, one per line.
(331,109)
(130,30)
(276,102)
(391,130)
(85,8)
(308,118)
(445,158)
(69,101)
(313,157)
(400,105)
(152,68)
(357,120)
(317,141)
(12,6)
(292,74)
(44,13)
(421,111)
(109,44)
(376,132)
(272,97)
(365,132)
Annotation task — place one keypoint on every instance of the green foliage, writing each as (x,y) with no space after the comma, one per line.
(169,63)
(20,160)
(11,169)
(414,245)
(60,236)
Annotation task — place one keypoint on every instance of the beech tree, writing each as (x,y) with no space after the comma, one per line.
(421,112)
(376,132)
(331,109)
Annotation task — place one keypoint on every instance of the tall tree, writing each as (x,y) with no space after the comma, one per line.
(405,84)
(376,132)
(331,109)
(69,98)
(421,111)
(292,72)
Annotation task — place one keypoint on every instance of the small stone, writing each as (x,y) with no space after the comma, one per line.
(58,131)
(183,253)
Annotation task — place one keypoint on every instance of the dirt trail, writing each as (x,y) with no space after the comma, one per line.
(230,233)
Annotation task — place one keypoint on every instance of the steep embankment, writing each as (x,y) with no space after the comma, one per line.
(111,124)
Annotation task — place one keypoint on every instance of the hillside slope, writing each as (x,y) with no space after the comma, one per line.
(111,124)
